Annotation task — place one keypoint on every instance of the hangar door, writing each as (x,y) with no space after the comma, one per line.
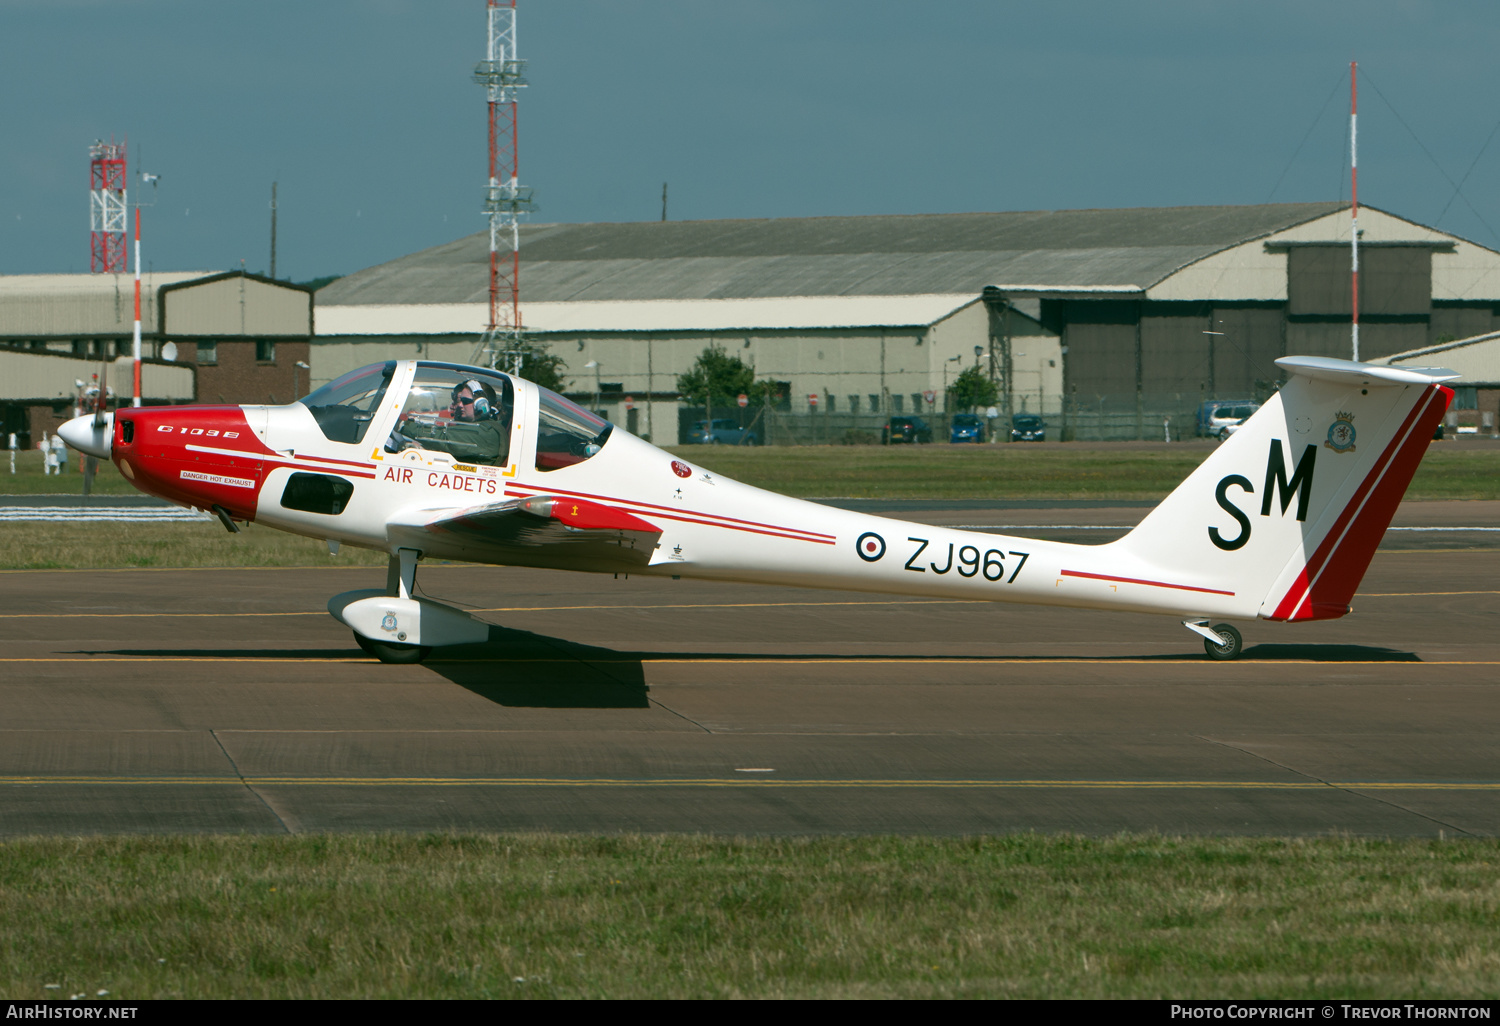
(1395,299)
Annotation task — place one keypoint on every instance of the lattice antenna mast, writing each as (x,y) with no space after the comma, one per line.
(107,220)
(506,201)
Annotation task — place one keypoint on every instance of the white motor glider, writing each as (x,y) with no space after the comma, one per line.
(435,460)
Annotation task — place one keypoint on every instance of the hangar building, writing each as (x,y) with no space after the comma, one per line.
(1115,318)
(1476,393)
(237,338)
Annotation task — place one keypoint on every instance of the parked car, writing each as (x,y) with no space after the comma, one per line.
(1027,427)
(726,431)
(966,428)
(1217,414)
(905,429)
(1229,429)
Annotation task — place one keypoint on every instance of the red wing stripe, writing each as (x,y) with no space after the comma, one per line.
(332,470)
(363,465)
(1301,589)
(670,513)
(1152,584)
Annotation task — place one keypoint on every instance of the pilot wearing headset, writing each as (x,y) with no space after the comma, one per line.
(476,432)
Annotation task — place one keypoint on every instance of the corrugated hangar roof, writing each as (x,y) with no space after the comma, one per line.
(829,256)
(773,314)
(1477,358)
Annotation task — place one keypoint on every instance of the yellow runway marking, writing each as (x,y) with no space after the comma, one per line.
(1428,552)
(115,616)
(1186,661)
(735,605)
(664,605)
(1417,594)
(209,569)
(600,782)
(517,609)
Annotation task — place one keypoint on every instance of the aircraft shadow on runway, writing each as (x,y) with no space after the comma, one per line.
(1331,654)
(526,670)
(513,668)
(523,669)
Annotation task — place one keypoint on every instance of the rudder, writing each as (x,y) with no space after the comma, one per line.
(1289,510)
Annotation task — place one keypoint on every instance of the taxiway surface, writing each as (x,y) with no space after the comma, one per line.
(228,700)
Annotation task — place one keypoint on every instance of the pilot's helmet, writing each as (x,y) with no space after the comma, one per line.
(485,407)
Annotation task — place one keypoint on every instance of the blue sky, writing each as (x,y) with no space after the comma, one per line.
(366,115)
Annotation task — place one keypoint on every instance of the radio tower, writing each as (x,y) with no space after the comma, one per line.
(107,207)
(505,200)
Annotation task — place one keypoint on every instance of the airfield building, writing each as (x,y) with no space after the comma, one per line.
(234,337)
(1112,320)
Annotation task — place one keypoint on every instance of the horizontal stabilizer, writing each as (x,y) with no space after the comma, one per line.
(1347,372)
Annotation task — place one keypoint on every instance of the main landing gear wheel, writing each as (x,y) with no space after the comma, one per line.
(1231,647)
(391,651)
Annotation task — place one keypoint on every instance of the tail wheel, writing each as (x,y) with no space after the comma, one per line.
(1231,647)
(392,652)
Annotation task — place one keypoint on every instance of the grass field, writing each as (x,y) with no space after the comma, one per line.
(356,916)
(1076,470)
(30,480)
(549,916)
(106,545)
(1101,470)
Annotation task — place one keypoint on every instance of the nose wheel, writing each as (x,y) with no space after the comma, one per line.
(1221,641)
(392,651)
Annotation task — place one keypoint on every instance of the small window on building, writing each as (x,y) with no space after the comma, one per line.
(854,404)
(874,403)
(833,402)
(208,353)
(916,402)
(898,402)
(265,352)
(1466,397)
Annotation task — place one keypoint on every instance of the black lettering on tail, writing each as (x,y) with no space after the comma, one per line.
(1301,481)
(1221,493)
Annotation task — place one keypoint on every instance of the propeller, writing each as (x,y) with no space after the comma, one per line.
(91,463)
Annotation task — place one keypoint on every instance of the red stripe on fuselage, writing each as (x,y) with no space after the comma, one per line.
(363,465)
(1152,584)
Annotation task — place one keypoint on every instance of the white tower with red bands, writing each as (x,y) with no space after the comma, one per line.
(506,201)
(1354,200)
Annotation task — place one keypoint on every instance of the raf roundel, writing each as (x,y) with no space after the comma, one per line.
(681,469)
(870,546)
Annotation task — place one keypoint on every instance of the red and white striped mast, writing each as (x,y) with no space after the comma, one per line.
(107,207)
(1354,199)
(135,393)
(506,200)
(135,350)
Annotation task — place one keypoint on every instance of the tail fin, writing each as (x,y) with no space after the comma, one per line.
(1290,508)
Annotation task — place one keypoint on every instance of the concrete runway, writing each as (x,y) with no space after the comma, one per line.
(228,700)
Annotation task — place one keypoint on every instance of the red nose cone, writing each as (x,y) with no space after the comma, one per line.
(202,456)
